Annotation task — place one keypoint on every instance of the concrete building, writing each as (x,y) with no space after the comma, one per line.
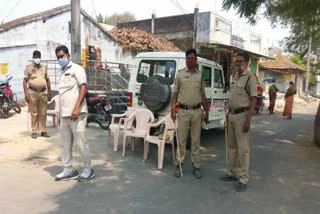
(215,38)
(282,71)
(44,32)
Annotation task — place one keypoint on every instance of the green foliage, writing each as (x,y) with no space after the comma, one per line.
(285,12)
(302,16)
(100,18)
(296,59)
(312,79)
(116,18)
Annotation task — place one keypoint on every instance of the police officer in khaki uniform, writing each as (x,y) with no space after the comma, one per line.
(37,92)
(189,94)
(241,107)
(73,111)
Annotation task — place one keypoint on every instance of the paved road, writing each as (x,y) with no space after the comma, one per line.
(285,177)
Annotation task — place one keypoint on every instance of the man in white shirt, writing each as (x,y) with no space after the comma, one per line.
(73,111)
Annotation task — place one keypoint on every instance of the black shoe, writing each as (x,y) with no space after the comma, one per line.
(196,173)
(45,134)
(34,135)
(228,178)
(63,176)
(241,187)
(86,175)
(177,172)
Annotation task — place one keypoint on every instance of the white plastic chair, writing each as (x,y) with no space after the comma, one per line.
(55,112)
(168,137)
(142,117)
(115,128)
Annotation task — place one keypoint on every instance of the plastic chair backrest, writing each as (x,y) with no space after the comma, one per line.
(143,117)
(129,112)
(54,104)
(170,126)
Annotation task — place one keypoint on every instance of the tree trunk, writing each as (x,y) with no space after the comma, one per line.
(316,131)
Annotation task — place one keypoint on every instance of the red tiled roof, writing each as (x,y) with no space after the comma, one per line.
(132,38)
(281,63)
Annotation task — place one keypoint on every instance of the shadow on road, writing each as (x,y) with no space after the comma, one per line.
(285,170)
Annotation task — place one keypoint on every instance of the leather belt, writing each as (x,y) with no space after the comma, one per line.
(185,107)
(38,90)
(239,110)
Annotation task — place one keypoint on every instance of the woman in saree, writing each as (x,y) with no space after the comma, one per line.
(289,99)
(272,96)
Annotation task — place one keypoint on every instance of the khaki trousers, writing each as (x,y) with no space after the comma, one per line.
(74,131)
(38,103)
(238,148)
(189,120)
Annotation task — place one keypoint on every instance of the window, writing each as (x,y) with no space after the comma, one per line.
(207,74)
(164,68)
(255,39)
(223,25)
(218,78)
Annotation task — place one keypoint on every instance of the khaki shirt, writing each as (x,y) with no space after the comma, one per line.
(36,76)
(72,77)
(189,87)
(238,94)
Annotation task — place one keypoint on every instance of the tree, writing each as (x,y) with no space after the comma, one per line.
(100,18)
(115,18)
(284,11)
(295,58)
(303,17)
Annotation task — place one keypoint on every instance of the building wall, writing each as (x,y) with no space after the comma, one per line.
(282,80)
(178,29)
(17,44)
(203,30)
(220,30)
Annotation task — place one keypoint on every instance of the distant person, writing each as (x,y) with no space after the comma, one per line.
(272,96)
(74,111)
(259,104)
(259,89)
(37,91)
(289,100)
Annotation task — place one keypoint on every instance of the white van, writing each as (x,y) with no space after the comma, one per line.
(151,84)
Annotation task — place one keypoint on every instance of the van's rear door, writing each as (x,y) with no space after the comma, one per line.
(218,94)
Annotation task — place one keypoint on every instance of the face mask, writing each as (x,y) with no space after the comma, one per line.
(36,61)
(241,68)
(63,62)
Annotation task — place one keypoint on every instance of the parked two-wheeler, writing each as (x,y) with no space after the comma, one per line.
(99,110)
(7,101)
(259,104)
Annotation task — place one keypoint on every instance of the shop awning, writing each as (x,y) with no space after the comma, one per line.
(235,48)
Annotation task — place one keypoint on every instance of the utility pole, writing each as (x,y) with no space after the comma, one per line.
(152,21)
(195,28)
(75,31)
(308,67)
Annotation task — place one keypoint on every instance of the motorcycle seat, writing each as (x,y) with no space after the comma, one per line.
(91,101)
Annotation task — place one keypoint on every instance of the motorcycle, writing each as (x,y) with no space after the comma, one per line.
(99,110)
(7,101)
(259,104)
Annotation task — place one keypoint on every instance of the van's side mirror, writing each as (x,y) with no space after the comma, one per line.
(226,87)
